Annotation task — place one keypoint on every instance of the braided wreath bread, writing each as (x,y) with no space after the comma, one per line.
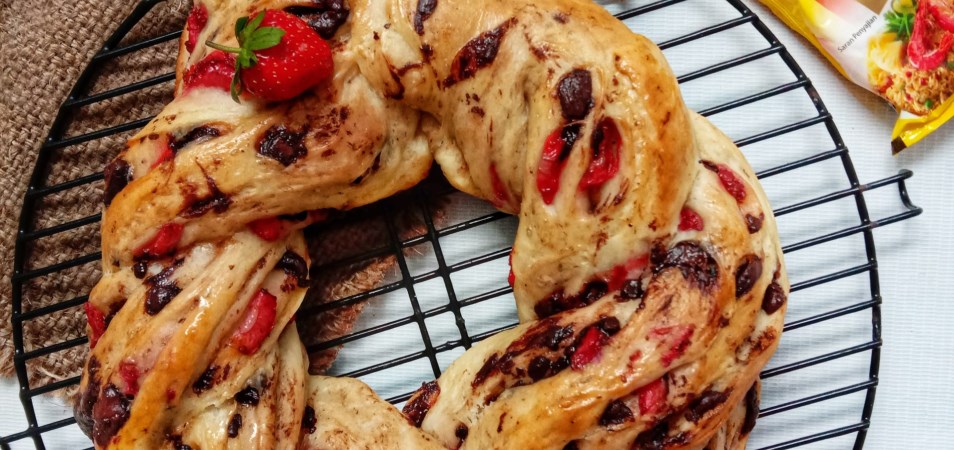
(647,271)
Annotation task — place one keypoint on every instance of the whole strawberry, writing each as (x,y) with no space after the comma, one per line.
(279,56)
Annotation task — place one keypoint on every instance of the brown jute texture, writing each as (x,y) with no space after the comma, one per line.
(44,46)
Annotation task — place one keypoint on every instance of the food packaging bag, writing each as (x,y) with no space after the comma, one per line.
(902,50)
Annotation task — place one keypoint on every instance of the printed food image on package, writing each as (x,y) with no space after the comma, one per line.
(910,60)
(902,50)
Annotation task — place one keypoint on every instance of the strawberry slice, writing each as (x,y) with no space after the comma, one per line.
(652,396)
(729,179)
(97,323)
(198,17)
(590,348)
(680,337)
(605,163)
(257,325)
(165,151)
(269,229)
(129,372)
(556,150)
(511,278)
(629,270)
(690,220)
(215,71)
(162,244)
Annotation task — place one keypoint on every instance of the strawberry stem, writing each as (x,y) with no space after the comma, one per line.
(224,48)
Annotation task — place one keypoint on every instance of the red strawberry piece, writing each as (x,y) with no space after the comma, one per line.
(680,337)
(501,196)
(652,396)
(556,150)
(129,372)
(257,324)
(732,183)
(269,229)
(629,270)
(215,70)
(163,243)
(729,179)
(198,17)
(590,348)
(605,163)
(165,151)
(280,56)
(511,278)
(97,323)
(690,220)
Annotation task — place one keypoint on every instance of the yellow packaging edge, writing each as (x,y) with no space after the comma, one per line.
(908,132)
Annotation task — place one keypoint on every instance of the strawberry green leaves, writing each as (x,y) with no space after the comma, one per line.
(252,37)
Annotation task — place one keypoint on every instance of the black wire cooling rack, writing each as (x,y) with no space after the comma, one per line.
(437,350)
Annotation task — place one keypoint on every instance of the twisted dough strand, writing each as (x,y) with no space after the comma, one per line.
(647,270)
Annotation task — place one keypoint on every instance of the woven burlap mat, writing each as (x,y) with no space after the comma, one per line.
(44,46)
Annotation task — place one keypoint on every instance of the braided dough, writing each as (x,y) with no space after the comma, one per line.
(647,271)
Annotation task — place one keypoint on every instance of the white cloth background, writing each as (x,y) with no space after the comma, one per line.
(913,407)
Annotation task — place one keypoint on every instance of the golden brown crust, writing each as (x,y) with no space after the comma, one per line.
(648,274)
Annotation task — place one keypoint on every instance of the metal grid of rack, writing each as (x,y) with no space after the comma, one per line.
(435,238)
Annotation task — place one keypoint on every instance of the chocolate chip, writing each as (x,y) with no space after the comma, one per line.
(751,409)
(83,410)
(616,413)
(610,325)
(461,432)
(569,135)
(194,135)
(282,145)
(478,53)
(489,367)
(140,267)
(216,201)
(294,266)
(247,397)
(631,290)
(539,368)
(576,94)
(558,302)
(117,174)
(235,424)
(654,438)
(325,17)
(421,402)
(309,421)
(110,413)
(205,381)
(162,289)
(774,298)
(747,274)
(177,443)
(696,264)
(424,10)
(557,335)
(754,224)
(561,363)
(706,402)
